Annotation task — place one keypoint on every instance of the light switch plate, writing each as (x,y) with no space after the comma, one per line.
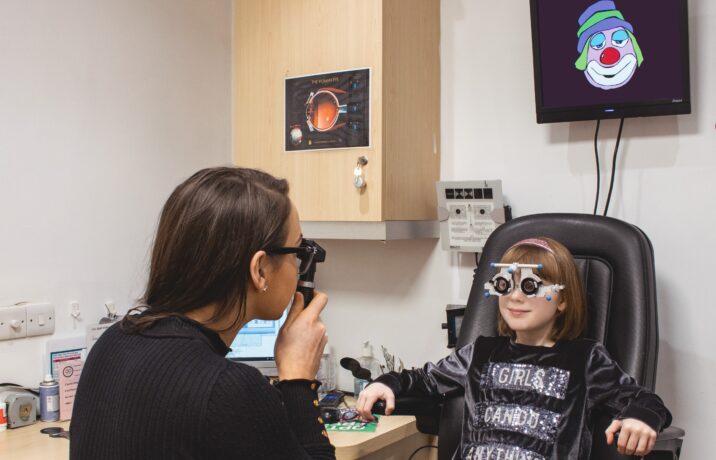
(13,316)
(40,319)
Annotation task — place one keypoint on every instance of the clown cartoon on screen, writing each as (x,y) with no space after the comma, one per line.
(609,53)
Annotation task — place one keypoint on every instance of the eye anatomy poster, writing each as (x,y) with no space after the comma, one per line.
(328,111)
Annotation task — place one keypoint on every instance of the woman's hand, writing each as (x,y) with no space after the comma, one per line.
(301,340)
(635,436)
(370,395)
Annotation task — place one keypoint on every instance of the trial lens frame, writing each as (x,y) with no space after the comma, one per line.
(530,284)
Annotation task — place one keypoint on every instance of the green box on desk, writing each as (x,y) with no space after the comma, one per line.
(353,426)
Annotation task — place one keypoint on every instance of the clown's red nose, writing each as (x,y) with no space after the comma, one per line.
(609,56)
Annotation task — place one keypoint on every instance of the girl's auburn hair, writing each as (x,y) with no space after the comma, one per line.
(559,268)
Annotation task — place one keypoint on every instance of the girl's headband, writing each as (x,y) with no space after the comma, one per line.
(533,242)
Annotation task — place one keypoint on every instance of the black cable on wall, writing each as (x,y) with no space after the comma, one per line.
(614,167)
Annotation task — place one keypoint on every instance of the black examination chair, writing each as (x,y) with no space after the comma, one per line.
(616,262)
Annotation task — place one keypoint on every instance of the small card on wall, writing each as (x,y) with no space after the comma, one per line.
(69,378)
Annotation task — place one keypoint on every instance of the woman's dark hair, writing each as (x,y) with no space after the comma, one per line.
(209,229)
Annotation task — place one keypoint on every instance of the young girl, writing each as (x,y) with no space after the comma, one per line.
(530,393)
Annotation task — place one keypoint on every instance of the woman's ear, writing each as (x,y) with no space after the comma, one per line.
(258,277)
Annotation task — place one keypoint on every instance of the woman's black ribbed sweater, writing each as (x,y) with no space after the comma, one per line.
(170,393)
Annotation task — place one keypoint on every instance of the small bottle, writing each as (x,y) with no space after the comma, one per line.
(325,373)
(49,399)
(367,361)
(3,416)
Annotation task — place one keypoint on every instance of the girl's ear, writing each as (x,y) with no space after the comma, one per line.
(258,278)
(561,306)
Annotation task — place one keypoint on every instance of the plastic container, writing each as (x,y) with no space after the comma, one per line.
(326,373)
(367,361)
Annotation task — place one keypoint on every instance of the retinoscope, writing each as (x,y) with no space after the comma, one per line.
(312,255)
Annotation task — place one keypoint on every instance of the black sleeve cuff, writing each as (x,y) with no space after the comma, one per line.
(647,416)
(300,398)
(297,382)
(391,380)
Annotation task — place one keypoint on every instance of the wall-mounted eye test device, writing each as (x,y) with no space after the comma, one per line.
(530,284)
(469,211)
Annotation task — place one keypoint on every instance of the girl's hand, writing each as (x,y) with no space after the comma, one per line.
(301,340)
(370,395)
(635,436)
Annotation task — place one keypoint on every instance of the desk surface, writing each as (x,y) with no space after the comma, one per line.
(390,430)
(27,443)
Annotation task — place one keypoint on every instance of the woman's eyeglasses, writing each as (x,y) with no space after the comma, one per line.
(305,254)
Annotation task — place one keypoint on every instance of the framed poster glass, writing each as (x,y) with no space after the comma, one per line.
(328,111)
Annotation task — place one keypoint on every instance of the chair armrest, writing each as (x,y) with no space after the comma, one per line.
(670,440)
(426,411)
(411,405)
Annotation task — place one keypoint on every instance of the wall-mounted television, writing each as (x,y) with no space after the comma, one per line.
(597,59)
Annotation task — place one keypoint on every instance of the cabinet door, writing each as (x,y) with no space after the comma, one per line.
(411,108)
(275,39)
(399,41)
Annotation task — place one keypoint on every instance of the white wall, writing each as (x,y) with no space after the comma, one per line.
(395,293)
(104,107)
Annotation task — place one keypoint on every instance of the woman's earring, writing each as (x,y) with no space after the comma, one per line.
(265,288)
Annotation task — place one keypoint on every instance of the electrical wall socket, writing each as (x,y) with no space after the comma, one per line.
(40,319)
(13,322)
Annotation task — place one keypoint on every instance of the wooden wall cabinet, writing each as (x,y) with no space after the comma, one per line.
(399,40)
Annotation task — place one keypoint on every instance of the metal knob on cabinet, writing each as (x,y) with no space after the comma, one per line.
(358,178)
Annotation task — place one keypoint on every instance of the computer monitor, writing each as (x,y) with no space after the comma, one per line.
(596,59)
(254,344)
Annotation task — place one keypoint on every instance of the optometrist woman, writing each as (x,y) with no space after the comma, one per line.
(157,385)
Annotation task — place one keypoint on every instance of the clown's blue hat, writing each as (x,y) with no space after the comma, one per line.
(599,16)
